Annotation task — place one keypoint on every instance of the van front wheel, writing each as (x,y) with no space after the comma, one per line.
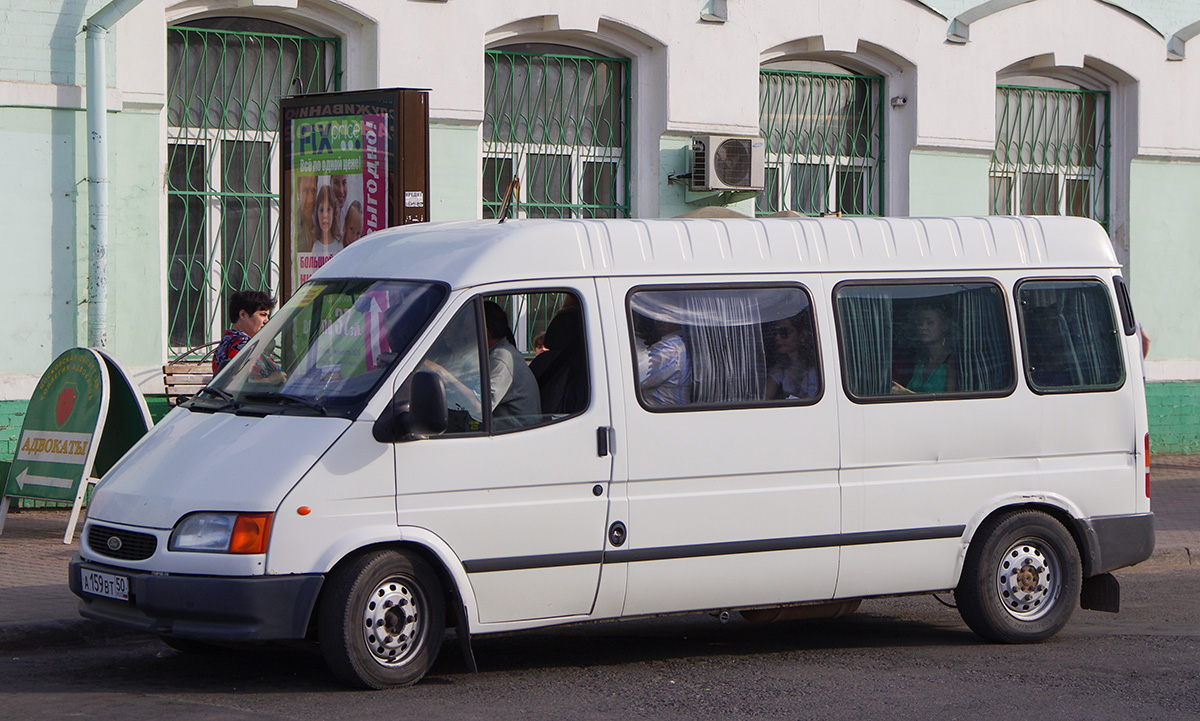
(1021,579)
(381,620)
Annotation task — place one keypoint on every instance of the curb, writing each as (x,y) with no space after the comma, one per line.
(1166,557)
(16,637)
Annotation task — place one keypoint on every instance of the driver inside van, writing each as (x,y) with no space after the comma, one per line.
(516,400)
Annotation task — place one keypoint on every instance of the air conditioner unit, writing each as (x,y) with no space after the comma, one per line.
(723,162)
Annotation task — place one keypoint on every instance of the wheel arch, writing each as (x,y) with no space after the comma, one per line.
(1057,508)
(456,587)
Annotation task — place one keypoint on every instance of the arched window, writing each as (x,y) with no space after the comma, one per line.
(224,80)
(556,118)
(823,127)
(1052,146)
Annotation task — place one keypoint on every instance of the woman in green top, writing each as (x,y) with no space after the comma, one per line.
(935,370)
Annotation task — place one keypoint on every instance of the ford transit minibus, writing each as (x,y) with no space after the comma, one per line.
(731,414)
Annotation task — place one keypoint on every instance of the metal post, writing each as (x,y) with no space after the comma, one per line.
(97,126)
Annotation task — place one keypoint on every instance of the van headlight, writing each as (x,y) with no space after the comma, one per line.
(210,532)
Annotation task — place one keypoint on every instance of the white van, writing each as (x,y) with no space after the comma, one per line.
(742,414)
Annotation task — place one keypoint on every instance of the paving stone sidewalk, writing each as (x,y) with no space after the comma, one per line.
(37,608)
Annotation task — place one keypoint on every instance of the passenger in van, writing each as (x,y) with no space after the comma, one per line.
(665,374)
(1046,350)
(793,373)
(561,371)
(935,369)
(516,400)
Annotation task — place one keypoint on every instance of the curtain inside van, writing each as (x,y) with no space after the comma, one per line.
(866,329)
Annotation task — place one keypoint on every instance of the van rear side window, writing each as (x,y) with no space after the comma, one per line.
(724,347)
(1069,334)
(918,341)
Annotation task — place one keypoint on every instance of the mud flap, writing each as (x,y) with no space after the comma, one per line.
(464,634)
(1101,593)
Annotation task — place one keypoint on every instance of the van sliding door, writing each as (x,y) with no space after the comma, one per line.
(730,443)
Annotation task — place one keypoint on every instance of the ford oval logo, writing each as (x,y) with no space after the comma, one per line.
(114,543)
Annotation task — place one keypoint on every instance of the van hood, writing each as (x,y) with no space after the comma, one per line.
(211,462)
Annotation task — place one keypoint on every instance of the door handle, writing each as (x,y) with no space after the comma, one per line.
(602,441)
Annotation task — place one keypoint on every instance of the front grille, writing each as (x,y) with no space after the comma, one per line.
(132,546)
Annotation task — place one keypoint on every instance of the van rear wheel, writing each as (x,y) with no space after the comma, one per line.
(381,620)
(1021,579)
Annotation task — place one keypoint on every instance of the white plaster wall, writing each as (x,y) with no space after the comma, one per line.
(693,77)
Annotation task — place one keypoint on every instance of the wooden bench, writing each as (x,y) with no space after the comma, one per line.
(190,372)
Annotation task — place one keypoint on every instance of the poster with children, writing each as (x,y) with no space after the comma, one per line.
(339,192)
(350,163)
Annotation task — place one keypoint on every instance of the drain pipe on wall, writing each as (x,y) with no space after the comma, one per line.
(97,135)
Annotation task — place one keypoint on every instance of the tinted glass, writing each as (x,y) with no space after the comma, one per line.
(1069,333)
(722,346)
(924,340)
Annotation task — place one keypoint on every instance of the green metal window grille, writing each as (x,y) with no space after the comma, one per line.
(560,125)
(225,77)
(1052,153)
(530,314)
(824,137)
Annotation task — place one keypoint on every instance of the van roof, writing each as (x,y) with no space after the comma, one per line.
(469,253)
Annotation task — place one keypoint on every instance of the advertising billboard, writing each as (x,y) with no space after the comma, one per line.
(352,163)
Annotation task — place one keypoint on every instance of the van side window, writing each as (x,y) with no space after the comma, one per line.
(455,357)
(1070,337)
(547,331)
(724,346)
(917,341)
(523,387)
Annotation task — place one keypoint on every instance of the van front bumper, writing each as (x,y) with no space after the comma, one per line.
(211,608)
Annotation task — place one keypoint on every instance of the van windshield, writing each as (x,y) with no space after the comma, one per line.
(325,351)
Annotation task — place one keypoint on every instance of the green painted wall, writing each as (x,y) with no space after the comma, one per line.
(1164,215)
(43,197)
(1174,412)
(674,158)
(945,183)
(454,172)
(40,192)
(135,252)
(12,415)
(673,154)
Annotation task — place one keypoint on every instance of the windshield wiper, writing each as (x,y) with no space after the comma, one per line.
(286,398)
(230,401)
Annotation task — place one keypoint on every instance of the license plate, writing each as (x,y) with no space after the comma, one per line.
(105,584)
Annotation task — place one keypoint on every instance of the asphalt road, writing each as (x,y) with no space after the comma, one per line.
(905,658)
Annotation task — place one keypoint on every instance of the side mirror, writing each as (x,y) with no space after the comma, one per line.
(417,410)
(427,414)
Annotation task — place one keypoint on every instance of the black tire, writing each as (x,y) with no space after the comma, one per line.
(1021,578)
(366,642)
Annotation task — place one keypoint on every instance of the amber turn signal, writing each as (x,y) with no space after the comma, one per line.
(304,510)
(250,533)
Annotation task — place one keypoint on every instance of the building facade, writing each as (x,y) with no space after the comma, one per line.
(867,107)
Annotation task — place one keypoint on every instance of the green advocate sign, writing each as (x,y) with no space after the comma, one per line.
(57,445)
(66,441)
